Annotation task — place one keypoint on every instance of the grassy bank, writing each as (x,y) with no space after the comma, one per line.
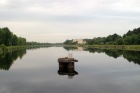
(118,47)
(4,49)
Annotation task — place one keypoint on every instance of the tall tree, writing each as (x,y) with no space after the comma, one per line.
(2,37)
(14,40)
(8,36)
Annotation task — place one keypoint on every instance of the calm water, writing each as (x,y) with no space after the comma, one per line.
(98,71)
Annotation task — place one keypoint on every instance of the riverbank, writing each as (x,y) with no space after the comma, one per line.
(4,49)
(117,47)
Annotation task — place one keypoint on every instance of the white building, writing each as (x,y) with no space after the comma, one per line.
(79,41)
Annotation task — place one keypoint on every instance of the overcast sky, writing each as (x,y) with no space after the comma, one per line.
(58,20)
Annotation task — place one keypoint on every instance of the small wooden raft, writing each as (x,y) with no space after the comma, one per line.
(67,60)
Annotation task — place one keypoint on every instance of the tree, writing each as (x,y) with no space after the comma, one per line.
(14,40)
(111,39)
(68,42)
(21,41)
(128,40)
(2,37)
(136,39)
(90,41)
(8,36)
(119,41)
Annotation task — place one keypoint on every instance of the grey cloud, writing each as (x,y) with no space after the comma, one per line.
(16,9)
(86,13)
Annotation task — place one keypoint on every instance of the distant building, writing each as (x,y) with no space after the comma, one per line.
(79,41)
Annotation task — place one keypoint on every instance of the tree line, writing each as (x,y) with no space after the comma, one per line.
(130,38)
(36,43)
(7,38)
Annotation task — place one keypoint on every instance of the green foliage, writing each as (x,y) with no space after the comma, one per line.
(135,31)
(90,41)
(2,36)
(21,41)
(14,40)
(7,38)
(119,41)
(3,49)
(130,38)
(70,42)
(37,43)
(99,40)
(111,39)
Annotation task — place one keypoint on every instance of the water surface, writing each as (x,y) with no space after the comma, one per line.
(99,71)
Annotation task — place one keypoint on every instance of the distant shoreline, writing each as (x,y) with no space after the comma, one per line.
(5,49)
(117,47)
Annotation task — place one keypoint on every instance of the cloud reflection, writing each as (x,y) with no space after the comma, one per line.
(98,74)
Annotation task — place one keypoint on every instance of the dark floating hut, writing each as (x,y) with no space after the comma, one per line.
(66,66)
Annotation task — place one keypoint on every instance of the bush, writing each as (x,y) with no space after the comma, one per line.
(1,51)
(3,48)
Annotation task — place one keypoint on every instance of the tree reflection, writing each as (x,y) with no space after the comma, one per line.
(131,56)
(70,48)
(8,59)
(113,53)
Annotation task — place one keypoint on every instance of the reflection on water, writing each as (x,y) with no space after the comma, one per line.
(131,56)
(7,60)
(70,48)
(65,70)
(101,71)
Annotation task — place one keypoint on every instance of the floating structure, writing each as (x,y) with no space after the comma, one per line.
(66,66)
(66,60)
(69,62)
